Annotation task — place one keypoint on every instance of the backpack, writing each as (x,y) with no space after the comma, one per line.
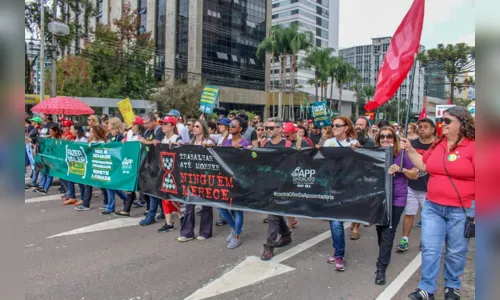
(288,144)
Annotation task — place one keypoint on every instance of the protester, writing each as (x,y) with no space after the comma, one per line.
(235,217)
(315,135)
(344,136)
(66,130)
(249,134)
(200,138)
(151,137)
(412,133)
(326,134)
(92,121)
(231,116)
(47,124)
(181,128)
(255,120)
(32,138)
(190,124)
(386,233)
(213,131)
(290,133)
(302,134)
(46,180)
(261,135)
(372,133)
(450,163)
(362,127)
(417,189)
(223,127)
(78,135)
(105,121)
(396,128)
(276,224)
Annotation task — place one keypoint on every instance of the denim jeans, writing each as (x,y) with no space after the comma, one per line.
(111,198)
(153,207)
(46,181)
(72,190)
(443,225)
(43,178)
(34,177)
(235,223)
(338,238)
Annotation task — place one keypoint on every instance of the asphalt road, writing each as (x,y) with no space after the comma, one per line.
(134,262)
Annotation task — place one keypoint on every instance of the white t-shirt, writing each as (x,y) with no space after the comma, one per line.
(334,143)
(207,141)
(174,139)
(183,133)
(82,139)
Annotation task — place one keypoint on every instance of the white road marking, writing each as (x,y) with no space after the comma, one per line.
(253,270)
(46,198)
(393,288)
(250,271)
(107,225)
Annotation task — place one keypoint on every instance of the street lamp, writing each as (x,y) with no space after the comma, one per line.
(57,29)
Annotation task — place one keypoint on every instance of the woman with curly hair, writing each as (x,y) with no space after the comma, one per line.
(450,163)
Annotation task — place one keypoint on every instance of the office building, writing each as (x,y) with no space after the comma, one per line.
(435,80)
(367,59)
(319,17)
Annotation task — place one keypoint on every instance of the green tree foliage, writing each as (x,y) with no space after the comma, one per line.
(181,96)
(458,60)
(342,72)
(317,59)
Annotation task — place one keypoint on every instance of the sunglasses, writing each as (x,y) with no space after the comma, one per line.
(339,125)
(260,129)
(447,121)
(232,125)
(386,136)
(270,127)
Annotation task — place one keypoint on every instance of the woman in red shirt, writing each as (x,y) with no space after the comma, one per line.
(450,163)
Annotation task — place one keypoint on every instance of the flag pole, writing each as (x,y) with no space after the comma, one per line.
(410,98)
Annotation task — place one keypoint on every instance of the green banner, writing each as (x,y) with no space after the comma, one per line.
(112,165)
(208,99)
(320,114)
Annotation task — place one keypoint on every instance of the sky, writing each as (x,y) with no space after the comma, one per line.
(445,21)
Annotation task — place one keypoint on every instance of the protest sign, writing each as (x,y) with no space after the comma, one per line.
(111,165)
(330,183)
(320,115)
(208,99)
(125,108)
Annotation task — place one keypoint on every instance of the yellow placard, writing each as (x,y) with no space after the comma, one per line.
(33,98)
(125,108)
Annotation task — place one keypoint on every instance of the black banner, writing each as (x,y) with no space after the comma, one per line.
(330,183)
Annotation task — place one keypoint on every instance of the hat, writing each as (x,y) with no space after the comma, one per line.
(174,112)
(395,124)
(62,119)
(289,128)
(36,119)
(138,121)
(309,121)
(67,123)
(224,121)
(169,119)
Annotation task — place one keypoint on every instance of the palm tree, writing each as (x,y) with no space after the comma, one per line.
(275,45)
(343,72)
(316,59)
(297,41)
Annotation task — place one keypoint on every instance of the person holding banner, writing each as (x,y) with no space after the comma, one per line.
(385,233)
(169,128)
(235,222)
(344,136)
(46,180)
(78,135)
(223,127)
(448,216)
(201,137)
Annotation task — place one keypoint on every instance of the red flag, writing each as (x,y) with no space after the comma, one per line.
(400,55)
(449,101)
(423,114)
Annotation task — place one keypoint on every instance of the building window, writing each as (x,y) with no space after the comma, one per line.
(385,47)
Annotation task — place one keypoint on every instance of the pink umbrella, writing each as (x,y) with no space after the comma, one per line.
(62,105)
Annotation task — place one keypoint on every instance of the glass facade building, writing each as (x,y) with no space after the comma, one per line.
(232,31)
(182,39)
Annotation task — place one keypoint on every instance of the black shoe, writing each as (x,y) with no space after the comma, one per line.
(138,203)
(42,191)
(166,228)
(220,222)
(451,294)
(284,240)
(105,212)
(160,217)
(380,277)
(145,213)
(37,190)
(420,294)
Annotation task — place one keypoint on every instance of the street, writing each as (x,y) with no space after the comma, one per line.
(83,255)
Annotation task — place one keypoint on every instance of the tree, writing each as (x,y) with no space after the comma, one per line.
(28,70)
(363,94)
(343,72)
(317,59)
(74,77)
(458,60)
(181,96)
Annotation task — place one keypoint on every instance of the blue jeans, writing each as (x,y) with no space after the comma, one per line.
(72,191)
(111,198)
(235,223)
(443,225)
(46,181)
(34,177)
(153,207)
(338,237)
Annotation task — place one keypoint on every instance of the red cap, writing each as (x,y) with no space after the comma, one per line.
(309,121)
(169,119)
(289,128)
(67,123)
(138,121)
(62,119)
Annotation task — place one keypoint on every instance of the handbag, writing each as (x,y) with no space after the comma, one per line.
(470,222)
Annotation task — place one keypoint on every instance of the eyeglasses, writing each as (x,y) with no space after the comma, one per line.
(447,121)
(386,136)
(339,125)
(270,127)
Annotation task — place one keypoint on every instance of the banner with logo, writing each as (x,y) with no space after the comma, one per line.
(320,114)
(125,108)
(111,165)
(208,99)
(330,183)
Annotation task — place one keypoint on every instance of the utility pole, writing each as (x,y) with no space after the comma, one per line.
(42,50)
(53,75)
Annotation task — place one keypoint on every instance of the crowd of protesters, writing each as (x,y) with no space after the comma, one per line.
(434,173)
